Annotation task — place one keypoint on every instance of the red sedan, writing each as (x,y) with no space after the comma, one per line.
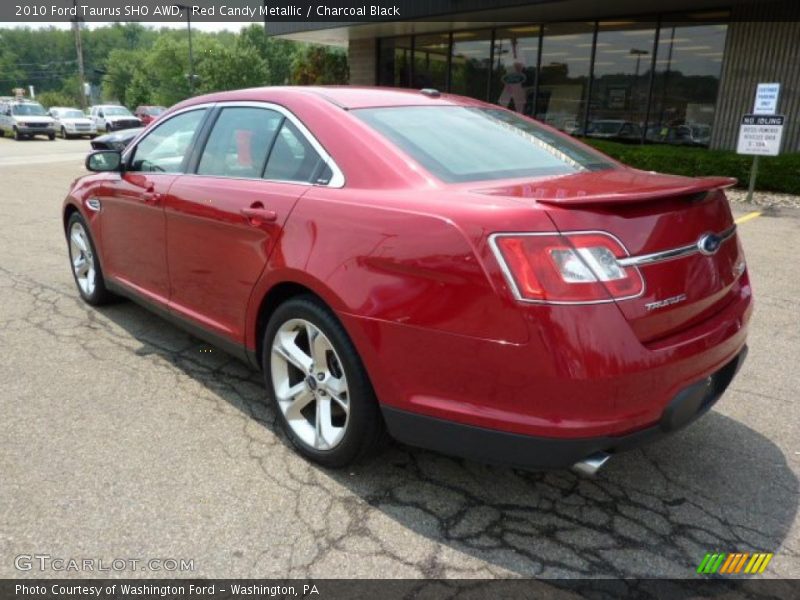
(466,278)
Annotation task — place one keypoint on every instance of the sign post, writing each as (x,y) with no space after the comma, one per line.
(760,133)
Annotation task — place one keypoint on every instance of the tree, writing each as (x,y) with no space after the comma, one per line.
(319,65)
(222,68)
(120,68)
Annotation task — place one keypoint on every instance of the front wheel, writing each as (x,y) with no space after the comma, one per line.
(85,266)
(17,135)
(51,136)
(320,388)
(63,133)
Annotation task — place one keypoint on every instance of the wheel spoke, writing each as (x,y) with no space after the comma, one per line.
(298,402)
(287,349)
(336,385)
(319,348)
(326,432)
(78,240)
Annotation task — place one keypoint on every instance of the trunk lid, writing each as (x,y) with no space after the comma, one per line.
(650,214)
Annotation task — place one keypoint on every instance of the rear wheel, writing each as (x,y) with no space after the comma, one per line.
(51,136)
(320,388)
(85,266)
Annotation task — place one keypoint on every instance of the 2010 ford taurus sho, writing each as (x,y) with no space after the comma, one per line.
(461,276)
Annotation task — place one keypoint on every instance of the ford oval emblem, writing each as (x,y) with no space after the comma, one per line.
(708,244)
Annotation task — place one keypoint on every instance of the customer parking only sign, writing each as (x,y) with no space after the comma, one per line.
(760,135)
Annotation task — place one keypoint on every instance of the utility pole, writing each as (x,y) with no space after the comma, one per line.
(191,74)
(76,28)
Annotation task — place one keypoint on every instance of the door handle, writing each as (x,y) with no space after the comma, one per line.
(256,215)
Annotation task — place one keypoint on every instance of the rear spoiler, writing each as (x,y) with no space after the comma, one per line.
(699,185)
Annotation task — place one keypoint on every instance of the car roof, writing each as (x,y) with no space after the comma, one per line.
(347,97)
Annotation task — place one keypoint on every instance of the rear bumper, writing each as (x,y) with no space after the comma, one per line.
(532,452)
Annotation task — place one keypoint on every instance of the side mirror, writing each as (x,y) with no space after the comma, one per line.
(104,161)
(101,115)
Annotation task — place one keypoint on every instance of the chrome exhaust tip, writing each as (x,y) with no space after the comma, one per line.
(591,464)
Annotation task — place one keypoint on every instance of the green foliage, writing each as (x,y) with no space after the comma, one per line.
(50,99)
(230,68)
(775,174)
(134,64)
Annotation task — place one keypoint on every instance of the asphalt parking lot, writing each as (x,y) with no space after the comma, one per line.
(123,437)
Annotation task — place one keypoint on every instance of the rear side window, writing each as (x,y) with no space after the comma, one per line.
(164,149)
(294,159)
(239,143)
(458,143)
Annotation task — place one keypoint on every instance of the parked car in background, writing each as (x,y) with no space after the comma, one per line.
(471,280)
(680,135)
(25,119)
(117,140)
(71,122)
(113,117)
(614,129)
(147,114)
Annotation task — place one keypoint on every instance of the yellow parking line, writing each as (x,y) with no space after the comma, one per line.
(748,217)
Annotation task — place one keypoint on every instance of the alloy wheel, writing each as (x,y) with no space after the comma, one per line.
(310,384)
(82,258)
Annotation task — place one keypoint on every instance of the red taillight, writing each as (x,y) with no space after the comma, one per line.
(566,268)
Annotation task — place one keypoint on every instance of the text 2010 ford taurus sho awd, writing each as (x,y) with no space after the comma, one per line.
(464,277)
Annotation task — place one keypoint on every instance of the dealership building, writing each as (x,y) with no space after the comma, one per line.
(678,72)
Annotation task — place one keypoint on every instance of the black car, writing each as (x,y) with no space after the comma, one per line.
(117,140)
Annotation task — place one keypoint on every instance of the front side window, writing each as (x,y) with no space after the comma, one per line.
(166,147)
(459,144)
(116,111)
(239,143)
(293,158)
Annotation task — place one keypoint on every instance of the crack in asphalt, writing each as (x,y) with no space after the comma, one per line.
(413,513)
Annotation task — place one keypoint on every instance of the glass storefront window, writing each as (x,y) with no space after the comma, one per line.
(471,63)
(548,72)
(621,83)
(394,66)
(516,56)
(564,75)
(431,53)
(688,64)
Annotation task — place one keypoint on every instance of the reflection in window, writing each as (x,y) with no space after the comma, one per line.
(516,52)
(238,144)
(395,62)
(618,107)
(471,63)
(564,75)
(688,64)
(165,148)
(430,61)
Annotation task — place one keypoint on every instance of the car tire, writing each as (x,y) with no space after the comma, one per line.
(51,136)
(2,133)
(63,133)
(17,135)
(85,264)
(334,419)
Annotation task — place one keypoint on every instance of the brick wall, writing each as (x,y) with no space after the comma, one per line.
(361,57)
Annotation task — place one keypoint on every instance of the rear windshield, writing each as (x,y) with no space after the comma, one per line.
(459,143)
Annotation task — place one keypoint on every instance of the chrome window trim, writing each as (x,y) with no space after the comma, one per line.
(337,179)
(513,284)
(672,253)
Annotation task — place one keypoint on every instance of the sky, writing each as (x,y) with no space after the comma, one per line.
(197,26)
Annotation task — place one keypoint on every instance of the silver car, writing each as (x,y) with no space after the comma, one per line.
(71,122)
(25,119)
